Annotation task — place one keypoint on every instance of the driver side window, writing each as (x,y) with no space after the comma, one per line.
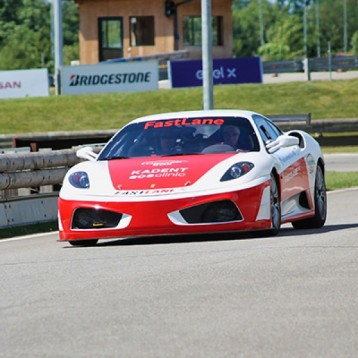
(268,131)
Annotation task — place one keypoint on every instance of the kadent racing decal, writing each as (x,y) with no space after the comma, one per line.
(140,174)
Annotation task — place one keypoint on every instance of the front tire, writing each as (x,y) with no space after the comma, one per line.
(83,242)
(275,205)
(320,203)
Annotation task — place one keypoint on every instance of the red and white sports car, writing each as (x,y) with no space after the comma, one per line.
(194,172)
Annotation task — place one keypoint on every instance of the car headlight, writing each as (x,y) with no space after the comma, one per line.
(79,180)
(237,170)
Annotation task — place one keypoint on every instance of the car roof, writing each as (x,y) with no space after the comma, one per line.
(198,113)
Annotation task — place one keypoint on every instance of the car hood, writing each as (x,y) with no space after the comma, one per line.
(161,172)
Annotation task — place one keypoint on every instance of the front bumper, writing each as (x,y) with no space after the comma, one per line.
(236,211)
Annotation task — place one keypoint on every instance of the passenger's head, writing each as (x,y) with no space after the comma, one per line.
(231,135)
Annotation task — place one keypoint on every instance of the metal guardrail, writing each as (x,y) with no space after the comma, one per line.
(25,170)
(333,63)
(282,66)
(311,65)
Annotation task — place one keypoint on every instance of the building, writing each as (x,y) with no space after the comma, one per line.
(134,28)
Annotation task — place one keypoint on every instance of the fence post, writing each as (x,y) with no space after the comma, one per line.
(306,68)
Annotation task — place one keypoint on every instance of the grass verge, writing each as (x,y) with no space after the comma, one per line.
(324,99)
(341,180)
(28,229)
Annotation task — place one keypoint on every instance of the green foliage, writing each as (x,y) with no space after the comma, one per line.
(282,21)
(354,43)
(25,33)
(274,51)
(284,39)
(341,180)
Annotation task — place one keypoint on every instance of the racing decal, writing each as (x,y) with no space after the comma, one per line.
(127,193)
(140,174)
(311,163)
(158,173)
(287,157)
(294,179)
(184,122)
(161,163)
(292,174)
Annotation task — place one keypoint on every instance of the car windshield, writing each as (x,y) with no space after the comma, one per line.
(182,136)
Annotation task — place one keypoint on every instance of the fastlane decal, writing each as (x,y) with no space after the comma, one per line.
(184,122)
(144,192)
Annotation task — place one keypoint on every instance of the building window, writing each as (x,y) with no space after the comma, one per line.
(192,30)
(110,37)
(141,30)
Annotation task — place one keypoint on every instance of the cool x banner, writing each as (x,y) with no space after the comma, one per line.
(225,71)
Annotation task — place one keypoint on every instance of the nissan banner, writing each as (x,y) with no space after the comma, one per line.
(106,78)
(225,71)
(24,83)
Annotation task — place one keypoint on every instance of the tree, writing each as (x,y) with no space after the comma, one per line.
(285,39)
(354,43)
(25,33)
(246,26)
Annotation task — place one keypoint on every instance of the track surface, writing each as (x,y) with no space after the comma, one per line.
(294,295)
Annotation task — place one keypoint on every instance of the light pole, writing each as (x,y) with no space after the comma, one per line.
(261,24)
(317,30)
(345,26)
(305,28)
(206,36)
(58,41)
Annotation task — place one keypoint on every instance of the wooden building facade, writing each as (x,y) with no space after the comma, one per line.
(133,28)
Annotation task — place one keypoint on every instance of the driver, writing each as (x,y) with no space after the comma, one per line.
(168,141)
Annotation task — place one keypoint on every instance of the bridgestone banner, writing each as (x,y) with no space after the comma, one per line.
(106,78)
(24,83)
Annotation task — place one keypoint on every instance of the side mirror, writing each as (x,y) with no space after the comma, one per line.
(283,141)
(86,153)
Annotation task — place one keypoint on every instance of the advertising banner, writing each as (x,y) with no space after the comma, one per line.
(24,83)
(111,77)
(225,71)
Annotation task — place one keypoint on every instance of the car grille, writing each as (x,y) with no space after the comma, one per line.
(214,212)
(86,218)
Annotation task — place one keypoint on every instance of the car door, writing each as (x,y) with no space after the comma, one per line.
(289,163)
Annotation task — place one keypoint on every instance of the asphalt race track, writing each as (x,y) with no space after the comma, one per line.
(294,295)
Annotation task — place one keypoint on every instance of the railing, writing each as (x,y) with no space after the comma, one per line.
(33,169)
(311,65)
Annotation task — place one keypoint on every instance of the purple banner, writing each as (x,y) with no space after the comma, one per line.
(225,71)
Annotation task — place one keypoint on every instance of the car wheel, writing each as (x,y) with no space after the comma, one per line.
(275,207)
(275,211)
(83,242)
(320,203)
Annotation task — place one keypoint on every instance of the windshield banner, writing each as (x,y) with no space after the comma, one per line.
(225,71)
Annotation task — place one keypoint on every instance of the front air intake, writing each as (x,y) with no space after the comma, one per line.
(86,218)
(214,212)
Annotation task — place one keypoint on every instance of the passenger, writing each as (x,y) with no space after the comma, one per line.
(231,136)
